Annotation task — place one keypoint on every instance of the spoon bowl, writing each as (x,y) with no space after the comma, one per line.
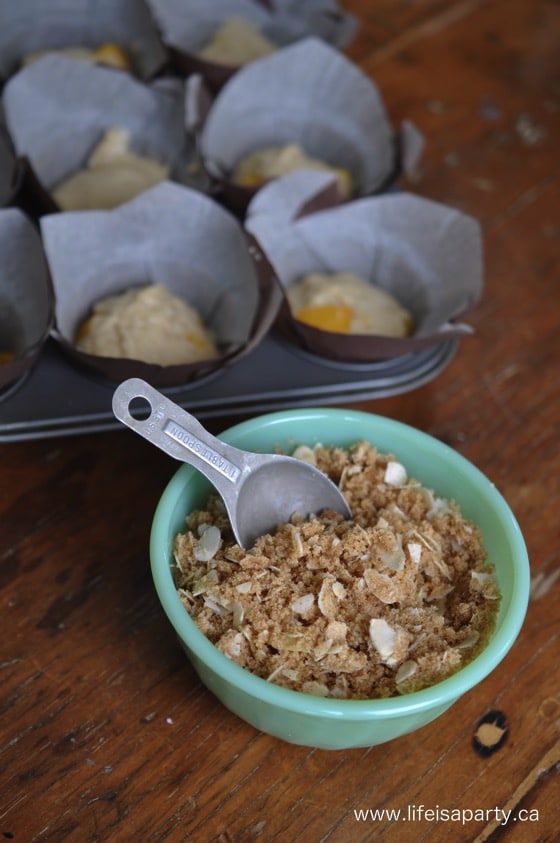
(259,491)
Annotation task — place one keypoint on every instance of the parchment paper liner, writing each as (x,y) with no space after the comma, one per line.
(28,26)
(307,93)
(57,109)
(427,255)
(187,25)
(173,235)
(26,295)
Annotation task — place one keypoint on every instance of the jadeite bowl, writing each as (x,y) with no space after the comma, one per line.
(331,723)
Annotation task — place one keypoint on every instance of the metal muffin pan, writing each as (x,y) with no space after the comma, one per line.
(56,398)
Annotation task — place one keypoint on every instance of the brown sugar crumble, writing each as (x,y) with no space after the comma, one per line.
(392,601)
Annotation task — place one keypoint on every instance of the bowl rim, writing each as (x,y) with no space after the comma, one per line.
(441,694)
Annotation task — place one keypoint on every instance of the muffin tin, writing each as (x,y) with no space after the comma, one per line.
(58,398)
(60,395)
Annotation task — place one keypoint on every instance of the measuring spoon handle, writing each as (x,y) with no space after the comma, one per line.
(179,434)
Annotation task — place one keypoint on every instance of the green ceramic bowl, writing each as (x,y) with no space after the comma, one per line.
(328,723)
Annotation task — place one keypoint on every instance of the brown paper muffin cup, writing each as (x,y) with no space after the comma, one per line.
(307,94)
(8,166)
(425,254)
(187,25)
(170,235)
(26,296)
(33,26)
(59,109)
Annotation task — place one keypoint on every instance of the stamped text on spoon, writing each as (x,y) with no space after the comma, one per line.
(179,434)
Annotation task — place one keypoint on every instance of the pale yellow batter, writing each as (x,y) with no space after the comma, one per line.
(147,323)
(114,174)
(109,54)
(275,161)
(236,43)
(346,304)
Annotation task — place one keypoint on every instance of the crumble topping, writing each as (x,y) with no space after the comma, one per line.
(394,600)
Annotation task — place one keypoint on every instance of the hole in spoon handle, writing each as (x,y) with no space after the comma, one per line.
(137,394)
(176,432)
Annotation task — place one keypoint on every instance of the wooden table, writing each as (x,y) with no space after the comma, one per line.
(106,733)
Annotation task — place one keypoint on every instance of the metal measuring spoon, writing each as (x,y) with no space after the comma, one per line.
(259,491)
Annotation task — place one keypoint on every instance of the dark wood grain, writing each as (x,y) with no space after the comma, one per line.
(106,733)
